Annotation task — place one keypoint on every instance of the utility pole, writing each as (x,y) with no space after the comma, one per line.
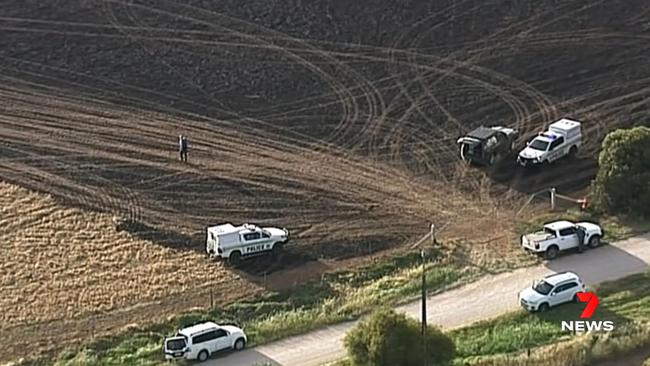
(553,198)
(424,293)
(424,296)
(424,310)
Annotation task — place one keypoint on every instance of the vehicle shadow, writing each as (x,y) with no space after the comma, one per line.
(566,175)
(242,358)
(601,264)
(266,264)
(168,238)
(255,268)
(599,268)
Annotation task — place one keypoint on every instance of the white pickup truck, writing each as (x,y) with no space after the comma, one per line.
(233,243)
(563,138)
(562,235)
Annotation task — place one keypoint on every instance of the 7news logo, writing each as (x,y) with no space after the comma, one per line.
(588,325)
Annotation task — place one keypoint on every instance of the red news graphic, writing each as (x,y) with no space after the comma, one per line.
(583,325)
(592,303)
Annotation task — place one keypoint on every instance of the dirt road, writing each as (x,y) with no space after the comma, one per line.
(484,299)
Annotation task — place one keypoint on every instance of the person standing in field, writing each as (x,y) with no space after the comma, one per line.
(182,145)
(581,239)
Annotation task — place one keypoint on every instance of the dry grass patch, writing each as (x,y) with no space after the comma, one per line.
(65,262)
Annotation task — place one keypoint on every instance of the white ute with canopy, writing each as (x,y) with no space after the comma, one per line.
(564,137)
(233,243)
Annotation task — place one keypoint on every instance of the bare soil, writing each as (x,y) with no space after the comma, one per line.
(335,119)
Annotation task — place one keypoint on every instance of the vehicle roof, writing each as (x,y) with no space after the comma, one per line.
(198,328)
(543,136)
(230,228)
(559,277)
(482,133)
(565,124)
(223,228)
(559,225)
(558,129)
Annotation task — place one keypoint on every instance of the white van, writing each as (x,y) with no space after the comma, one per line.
(201,340)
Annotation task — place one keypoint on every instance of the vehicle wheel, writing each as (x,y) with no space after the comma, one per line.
(551,252)
(575,298)
(235,258)
(543,308)
(203,356)
(594,242)
(240,344)
(573,151)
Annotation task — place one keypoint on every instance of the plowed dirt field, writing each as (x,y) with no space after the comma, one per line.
(335,119)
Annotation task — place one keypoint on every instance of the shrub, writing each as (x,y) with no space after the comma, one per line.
(390,339)
(622,183)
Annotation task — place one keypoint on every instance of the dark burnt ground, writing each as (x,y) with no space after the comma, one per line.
(370,83)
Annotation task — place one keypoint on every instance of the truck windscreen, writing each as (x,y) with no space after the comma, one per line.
(538,145)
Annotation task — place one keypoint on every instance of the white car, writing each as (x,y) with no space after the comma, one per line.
(552,290)
(563,138)
(234,243)
(201,340)
(562,235)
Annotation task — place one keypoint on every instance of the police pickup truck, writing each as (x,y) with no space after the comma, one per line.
(563,138)
(234,243)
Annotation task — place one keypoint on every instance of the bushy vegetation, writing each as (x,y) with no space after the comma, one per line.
(390,339)
(506,339)
(338,296)
(582,350)
(623,181)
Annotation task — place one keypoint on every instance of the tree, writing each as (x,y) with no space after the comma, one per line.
(391,339)
(622,184)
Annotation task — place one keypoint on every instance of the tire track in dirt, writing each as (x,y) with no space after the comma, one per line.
(403,89)
(542,101)
(349,104)
(105,144)
(106,195)
(370,92)
(289,142)
(519,106)
(309,175)
(595,126)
